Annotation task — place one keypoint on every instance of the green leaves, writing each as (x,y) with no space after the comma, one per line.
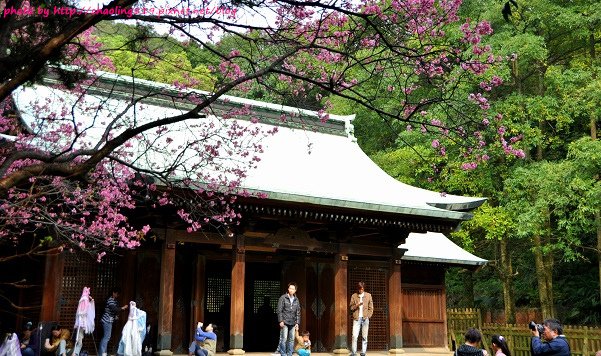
(142,53)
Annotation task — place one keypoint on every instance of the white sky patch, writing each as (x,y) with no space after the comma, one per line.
(241,16)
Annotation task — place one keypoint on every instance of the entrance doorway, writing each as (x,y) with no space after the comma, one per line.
(261,293)
(375,278)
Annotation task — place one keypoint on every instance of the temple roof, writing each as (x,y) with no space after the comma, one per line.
(436,247)
(307,161)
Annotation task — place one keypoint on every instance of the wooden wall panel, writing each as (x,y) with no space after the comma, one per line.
(423,316)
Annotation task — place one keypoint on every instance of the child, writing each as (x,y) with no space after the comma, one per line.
(303,344)
(60,341)
(205,342)
(499,346)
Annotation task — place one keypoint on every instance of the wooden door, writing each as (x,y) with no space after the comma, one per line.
(375,278)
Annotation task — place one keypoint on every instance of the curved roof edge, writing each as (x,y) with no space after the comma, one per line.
(466,205)
(436,247)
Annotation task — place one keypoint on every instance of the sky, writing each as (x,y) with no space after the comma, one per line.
(208,8)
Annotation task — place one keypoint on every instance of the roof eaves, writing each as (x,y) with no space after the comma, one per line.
(415,211)
(445,261)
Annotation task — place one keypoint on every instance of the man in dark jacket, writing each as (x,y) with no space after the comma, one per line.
(472,344)
(289,317)
(555,343)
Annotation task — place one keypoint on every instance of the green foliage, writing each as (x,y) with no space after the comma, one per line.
(550,96)
(407,164)
(490,222)
(142,53)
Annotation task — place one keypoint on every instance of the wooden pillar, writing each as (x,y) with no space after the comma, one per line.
(198,301)
(53,278)
(341,314)
(166,298)
(444,315)
(395,306)
(237,297)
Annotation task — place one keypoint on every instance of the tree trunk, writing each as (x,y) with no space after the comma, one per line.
(549,263)
(507,279)
(543,262)
(549,260)
(542,278)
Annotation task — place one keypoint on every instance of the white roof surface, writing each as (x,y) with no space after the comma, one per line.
(303,165)
(335,171)
(436,247)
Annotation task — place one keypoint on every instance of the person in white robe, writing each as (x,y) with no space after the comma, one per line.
(134,332)
(84,319)
(10,345)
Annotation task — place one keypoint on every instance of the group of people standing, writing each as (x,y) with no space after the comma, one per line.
(288,310)
(547,339)
(57,340)
(551,342)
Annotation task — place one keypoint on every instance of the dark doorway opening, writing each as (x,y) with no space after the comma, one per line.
(217,301)
(261,293)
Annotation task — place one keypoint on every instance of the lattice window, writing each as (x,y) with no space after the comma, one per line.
(81,270)
(375,280)
(263,289)
(218,289)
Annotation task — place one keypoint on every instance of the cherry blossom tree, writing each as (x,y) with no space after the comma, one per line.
(75,172)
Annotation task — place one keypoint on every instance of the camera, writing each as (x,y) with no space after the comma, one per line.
(534,326)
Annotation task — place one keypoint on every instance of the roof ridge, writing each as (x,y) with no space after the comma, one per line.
(120,86)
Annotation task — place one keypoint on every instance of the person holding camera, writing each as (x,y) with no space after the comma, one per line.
(554,344)
(205,342)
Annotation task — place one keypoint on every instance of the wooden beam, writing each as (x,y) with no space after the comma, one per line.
(166,298)
(270,244)
(340,304)
(237,297)
(200,237)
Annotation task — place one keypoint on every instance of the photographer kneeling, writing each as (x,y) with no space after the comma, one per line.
(554,344)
